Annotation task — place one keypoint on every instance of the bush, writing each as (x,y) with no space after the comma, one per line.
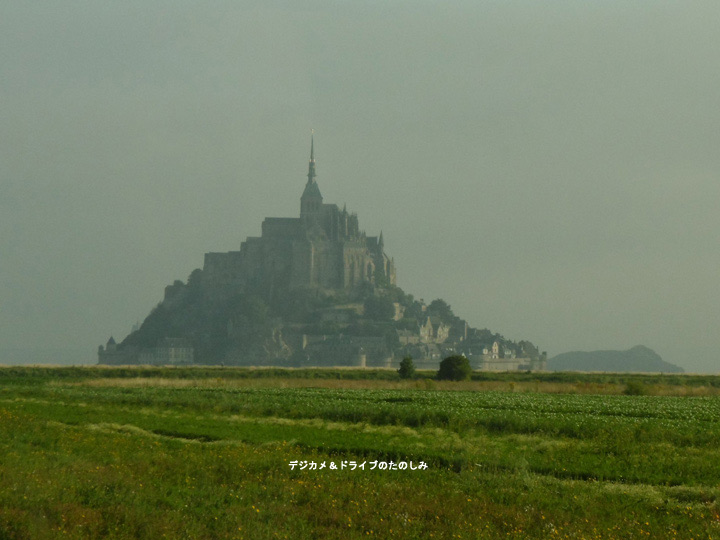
(407,368)
(454,368)
(635,388)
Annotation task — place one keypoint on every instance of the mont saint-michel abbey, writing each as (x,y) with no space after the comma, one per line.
(312,290)
(324,248)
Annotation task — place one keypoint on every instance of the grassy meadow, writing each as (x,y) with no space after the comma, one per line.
(201,453)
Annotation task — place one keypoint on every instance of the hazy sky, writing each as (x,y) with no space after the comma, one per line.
(550,169)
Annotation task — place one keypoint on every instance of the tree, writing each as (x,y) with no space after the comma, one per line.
(407,368)
(194,285)
(195,279)
(415,310)
(380,279)
(392,340)
(250,307)
(441,308)
(379,308)
(255,309)
(454,368)
(528,349)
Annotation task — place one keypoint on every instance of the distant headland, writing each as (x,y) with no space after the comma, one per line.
(639,359)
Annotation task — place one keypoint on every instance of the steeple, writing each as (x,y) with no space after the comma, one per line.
(311,199)
(381,243)
(311,167)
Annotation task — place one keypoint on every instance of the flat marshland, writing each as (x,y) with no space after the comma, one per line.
(206,453)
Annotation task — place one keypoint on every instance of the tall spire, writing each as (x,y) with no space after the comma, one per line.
(311,199)
(311,167)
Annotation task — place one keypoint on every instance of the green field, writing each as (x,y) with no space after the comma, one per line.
(206,453)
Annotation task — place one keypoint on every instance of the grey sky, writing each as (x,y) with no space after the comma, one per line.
(550,169)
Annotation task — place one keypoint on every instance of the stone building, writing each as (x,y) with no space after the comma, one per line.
(434,331)
(110,354)
(509,363)
(322,249)
(168,352)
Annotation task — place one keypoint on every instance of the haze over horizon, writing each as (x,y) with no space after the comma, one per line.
(548,169)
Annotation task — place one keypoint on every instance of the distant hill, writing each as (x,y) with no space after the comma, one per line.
(637,359)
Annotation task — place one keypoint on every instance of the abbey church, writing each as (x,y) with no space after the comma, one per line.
(324,248)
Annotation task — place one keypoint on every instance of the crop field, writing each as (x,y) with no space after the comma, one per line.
(123,453)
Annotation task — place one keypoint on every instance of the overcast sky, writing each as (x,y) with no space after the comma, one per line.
(550,169)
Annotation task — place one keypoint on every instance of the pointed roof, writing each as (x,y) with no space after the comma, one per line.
(311,167)
(311,188)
